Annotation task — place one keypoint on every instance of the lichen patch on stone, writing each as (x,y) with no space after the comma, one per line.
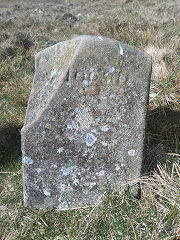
(100,38)
(46,192)
(104,128)
(90,184)
(85,83)
(92,76)
(94,131)
(132,152)
(53,72)
(117,167)
(123,165)
(101,173)
(60,150)
(27,160)
(81,111)
(90,139)
(67,170)
(121,50)
(72,125)
(84,119)
(112,96)
(111,69)
(62,187)
(39,170)
(76,181)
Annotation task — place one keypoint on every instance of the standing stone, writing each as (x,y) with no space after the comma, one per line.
(85,121)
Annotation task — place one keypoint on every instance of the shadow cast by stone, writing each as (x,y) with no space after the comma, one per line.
(10,146)
(162,134)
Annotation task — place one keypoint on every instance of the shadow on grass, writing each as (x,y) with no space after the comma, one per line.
(162,136)
(10,148)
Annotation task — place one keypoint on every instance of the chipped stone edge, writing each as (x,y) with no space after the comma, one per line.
(27,126)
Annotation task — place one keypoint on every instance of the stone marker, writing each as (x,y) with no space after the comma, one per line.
(85,121)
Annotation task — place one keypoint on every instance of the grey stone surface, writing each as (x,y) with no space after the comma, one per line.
(85,121)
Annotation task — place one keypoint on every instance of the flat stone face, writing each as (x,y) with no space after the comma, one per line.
(85,121)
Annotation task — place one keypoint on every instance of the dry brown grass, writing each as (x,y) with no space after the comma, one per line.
(155,216)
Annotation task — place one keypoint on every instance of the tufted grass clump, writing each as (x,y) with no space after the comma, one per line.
(117,216)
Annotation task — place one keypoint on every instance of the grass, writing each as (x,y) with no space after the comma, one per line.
(118,216)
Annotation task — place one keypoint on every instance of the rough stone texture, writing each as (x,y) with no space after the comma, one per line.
(85,121)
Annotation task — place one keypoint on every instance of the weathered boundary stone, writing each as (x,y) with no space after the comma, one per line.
(85,121)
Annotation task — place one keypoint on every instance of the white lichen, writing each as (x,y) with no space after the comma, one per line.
(90,139)
(94,131)
(121,50)
(90,184)
(39,170)
(123,164)
(111,69)
(117,167)
(85,83)
(101,173)
(104,128)
(67,170)
(62,187)
(81,111)
(92,74)
(60,150)
(53,72)
(113,95)
(103,98)
(76,181)
(72,125)
(131,152)
(105,144)
(46,192)
(27,160)
(100,38)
